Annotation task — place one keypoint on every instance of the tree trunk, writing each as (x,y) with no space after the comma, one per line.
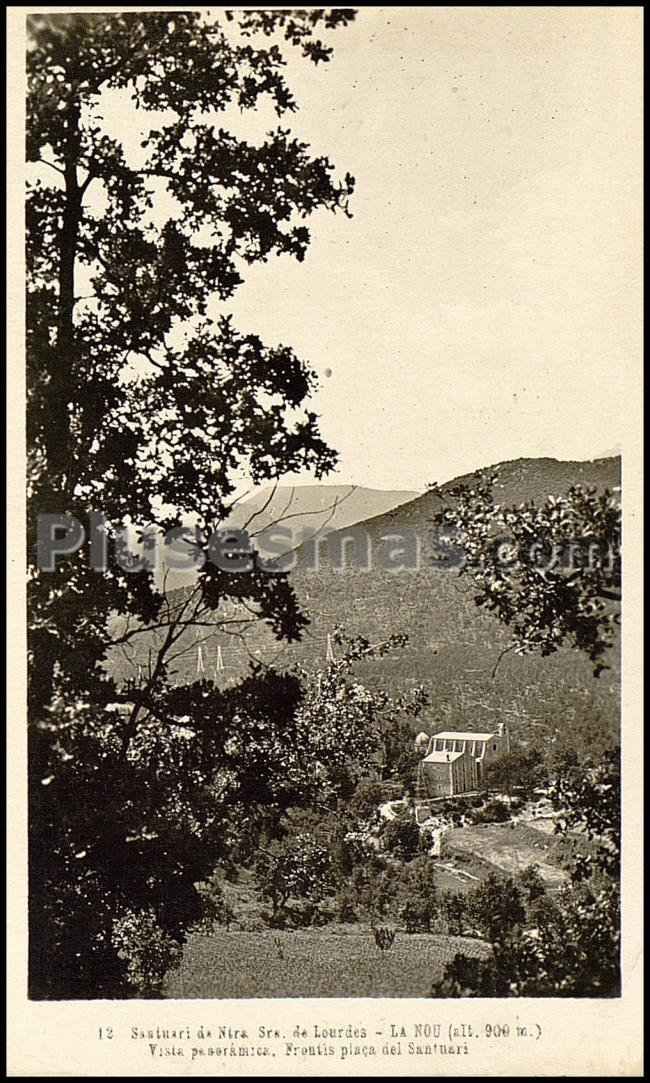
(59,444)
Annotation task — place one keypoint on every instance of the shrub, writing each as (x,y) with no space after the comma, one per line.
(345,908)
(348,850)
(303,914)
(384,937)
(463,976)
(532,883)
(402,838)
(275,919)
(148,951)
(216,910)
(496,907)
(517,769)
(454,909)
(367,798)
(494,812)
(417,913)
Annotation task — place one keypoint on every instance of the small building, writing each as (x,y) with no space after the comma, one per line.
(422,742)
(454,761)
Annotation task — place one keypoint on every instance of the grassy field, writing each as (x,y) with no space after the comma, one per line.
(507,847)
(251,960)
(343,961)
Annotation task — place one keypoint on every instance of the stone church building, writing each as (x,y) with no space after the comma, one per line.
(453,762)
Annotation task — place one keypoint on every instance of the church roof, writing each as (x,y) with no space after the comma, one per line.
(442,757)
(458,735)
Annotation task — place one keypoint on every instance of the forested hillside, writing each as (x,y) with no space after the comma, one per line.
(452,644)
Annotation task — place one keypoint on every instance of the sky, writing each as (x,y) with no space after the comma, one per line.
(483,303)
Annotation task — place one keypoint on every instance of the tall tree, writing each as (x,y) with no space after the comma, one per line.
(147,406)
(516,768)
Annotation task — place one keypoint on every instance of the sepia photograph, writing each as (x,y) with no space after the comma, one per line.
(332,357)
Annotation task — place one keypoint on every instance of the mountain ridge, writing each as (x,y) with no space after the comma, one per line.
(304,511)
(511,486)
(452,644)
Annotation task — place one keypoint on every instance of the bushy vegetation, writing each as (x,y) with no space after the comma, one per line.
(214,906)
(520,769)
(565,944)
(296,869)
(147,950)
(493,812)
(401,837)
(549,572)
(328,866)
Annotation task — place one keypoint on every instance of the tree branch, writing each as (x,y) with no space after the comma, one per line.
(505,651)
(51,165)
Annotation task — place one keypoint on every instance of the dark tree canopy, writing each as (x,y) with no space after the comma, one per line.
(142,404)
(518,768)
(110,389)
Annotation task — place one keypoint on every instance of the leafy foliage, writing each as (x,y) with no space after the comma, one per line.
(551,573)
(401,837)
(215,907)
(518,768)
(400,757)
(455,908)
(532,883)
(149,952)
(493,812)
(369,794)
(422,905)
(496,908)
(588,797)
(297,868)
